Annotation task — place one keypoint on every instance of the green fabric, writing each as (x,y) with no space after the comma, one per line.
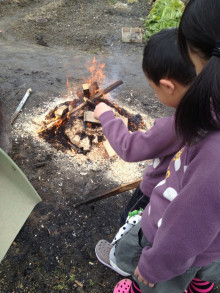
(17,200)
(164,14)
(135,212)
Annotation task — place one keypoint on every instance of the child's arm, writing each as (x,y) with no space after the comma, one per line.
(159,141)
(100,109)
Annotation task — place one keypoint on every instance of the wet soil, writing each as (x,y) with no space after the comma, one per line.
(41,44)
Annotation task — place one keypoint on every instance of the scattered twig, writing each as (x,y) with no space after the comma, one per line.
(79,283)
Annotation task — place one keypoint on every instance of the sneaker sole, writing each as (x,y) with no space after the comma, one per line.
(109,266)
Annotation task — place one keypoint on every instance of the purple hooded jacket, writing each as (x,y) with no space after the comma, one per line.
(182,220)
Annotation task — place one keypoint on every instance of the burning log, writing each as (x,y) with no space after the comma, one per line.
(115,191)
(94,88)
(81,106)
(80,94)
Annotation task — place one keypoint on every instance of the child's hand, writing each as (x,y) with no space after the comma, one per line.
(100,109)
(141,279)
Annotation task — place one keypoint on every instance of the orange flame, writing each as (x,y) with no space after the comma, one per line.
(96,70)
(97,74)
(69,87)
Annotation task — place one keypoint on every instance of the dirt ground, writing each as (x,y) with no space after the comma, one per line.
(41,44)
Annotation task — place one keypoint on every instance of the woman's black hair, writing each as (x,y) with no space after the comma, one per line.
(162,59)
(199,31)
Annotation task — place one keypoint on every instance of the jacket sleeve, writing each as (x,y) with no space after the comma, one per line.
(159,141)
(190,225)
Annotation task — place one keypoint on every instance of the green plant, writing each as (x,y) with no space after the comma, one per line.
(60,287)
(72,278)
(112,2)
(91,283)
(132,1)
(163,14)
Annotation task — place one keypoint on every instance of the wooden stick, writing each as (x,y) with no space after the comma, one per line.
(97,96)
(107,90)
(91,99)
(115,191)
(24,99)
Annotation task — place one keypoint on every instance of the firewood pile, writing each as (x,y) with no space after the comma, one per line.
(72,126)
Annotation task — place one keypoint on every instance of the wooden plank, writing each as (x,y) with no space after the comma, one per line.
(89,117)
(132,35)
(107,90)
(109,149)
(86,91)
(61,110)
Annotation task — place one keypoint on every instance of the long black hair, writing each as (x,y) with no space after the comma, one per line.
(199,30)
(162,59)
